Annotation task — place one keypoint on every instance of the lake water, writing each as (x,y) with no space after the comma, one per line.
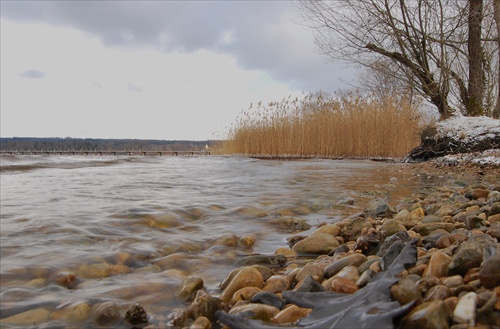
(108,220)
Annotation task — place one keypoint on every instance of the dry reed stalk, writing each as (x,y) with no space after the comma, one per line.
(351,125)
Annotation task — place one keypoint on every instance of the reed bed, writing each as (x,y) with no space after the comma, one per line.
(349,125)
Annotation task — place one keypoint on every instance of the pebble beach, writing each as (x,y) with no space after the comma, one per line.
(453,282)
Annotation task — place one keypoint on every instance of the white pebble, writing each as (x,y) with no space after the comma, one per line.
(465,311)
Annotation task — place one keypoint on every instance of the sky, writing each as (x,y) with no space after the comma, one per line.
(152,69)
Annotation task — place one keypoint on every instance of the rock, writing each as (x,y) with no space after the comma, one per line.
(431,219)
(320,243)
(390,227)
(453,281)
(417,214)
(341,285)
(365,278)
(489,272)
(353,228)
(201,323)
(246,293)
(447,240)
(277,283)
(369,243)
(406,291)
(74,313)
(310,270)
(429,315)
(465,311)
(65,279)
(380,208)
(246,241)
(271,260)
(291,314)
(309,285)
(495,209)
(332,229)
(260,311)
(426,229)
(247,277)
(348,272)
(470,254)
(33,317)
(434,237)
(438,265)
(204,305)
(350,260)
(290,224)
(438,292)
(285,252)
(479,193)
(268,299)
(94,271)
(106,315)
(136,315)
(445,210)
(189,287)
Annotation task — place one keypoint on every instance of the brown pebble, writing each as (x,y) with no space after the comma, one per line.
(201,323)
(244,294)
(291,314)
(341,285)
(438,265)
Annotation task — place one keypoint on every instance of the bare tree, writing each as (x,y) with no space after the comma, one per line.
(432,43)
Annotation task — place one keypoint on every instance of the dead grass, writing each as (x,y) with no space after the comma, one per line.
(349,125)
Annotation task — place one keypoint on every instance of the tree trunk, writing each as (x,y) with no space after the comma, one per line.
(496,9)
(476,75)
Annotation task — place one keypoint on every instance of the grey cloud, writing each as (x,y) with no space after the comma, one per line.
(261,38)
(32,74)
(133,88)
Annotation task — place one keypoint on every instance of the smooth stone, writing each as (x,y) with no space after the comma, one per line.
(203,305)
(33,317)
(65,279)
(94,271)
(489,272)
(310,270)
(426,229)
(291,314)
(453,281)
(354,227)
(246,293)
(380,208)
(341,285)
(268,298)
(495,209)
(348,272)
(290,224)
(470,253)
(354,259)
(390,227)
(190,286)
(434,237)
(201,323)
(316,244)
(73,313)
(271,260)
(445,210)
(366,265)
(417,214)
(277,283)
(332,229)
(365,278)
(369,243)
(107,315)
(261,312)
(429,315)
(479,193)
(438,265)
(405,291)
(285,252)
(247,277)
(404,215)
(447,240)
(246,241)
(465,311)
(309,284)
(431,219)
(438,292)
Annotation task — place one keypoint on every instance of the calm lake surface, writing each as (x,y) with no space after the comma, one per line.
(109,220)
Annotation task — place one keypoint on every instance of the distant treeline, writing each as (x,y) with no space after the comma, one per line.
(64,144)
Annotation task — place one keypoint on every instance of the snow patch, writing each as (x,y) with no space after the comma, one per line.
(469,129)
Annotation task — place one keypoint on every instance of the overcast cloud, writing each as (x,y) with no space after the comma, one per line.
(182,60)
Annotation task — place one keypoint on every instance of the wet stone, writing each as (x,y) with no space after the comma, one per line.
(438,265)
(319,244)
(380,208)
(405,291)
(489,272)
(201,323)
(35,317)
(310,270)
(107,315)
(309,285)
(136,315)
(438,292)
(246,293)
(277,283)
(246,277)
(261,312)
(268,299)
(271,260)
(291,314)
(429,315)
(189,287)
(350,260)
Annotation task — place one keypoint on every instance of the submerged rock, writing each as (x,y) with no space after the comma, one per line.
(136,315)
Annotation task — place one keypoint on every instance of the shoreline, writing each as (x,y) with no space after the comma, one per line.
(443,224)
